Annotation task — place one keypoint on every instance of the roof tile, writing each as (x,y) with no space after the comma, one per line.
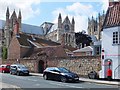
(113,16)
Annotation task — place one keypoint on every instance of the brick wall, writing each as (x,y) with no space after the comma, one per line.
(14,49)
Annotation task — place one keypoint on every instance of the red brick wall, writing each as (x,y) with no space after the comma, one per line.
(14,49)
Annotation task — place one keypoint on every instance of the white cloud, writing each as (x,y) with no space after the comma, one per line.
(104,4)
(24,5)
(79,11)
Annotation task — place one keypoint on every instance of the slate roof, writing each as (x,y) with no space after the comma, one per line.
(55,51)
(112,18)
(26,28)
(22,39)
(27,40)
(32,29)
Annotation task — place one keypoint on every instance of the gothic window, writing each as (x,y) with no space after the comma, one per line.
(69,39)
(116,38)
(66,27)
(66,37)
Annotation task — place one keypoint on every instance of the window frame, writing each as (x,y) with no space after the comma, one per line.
(116,38)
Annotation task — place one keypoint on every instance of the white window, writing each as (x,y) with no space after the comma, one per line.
(116,38)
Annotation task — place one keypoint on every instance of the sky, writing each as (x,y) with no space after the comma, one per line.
(36,12)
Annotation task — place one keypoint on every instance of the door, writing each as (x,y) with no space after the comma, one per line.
(40,66)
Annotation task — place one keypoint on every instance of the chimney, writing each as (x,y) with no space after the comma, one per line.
(16,28)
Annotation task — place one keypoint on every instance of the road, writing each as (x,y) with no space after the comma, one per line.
(39,82)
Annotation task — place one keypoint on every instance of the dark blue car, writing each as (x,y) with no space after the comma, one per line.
(60,74)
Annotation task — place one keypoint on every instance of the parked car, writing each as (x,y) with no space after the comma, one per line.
(19,69)
(5,68)
(60,74)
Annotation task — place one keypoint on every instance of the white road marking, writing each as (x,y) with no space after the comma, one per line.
(64,84)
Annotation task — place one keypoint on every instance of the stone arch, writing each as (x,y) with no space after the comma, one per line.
(106,66)
(40,66)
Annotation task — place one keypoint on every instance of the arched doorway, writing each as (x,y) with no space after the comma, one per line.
(40,66)
(106,62)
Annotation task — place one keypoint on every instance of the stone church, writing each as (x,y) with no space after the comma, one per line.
(95,25)
(22,39)
(63,32)
(9,26)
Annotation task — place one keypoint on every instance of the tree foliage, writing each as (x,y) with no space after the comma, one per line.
(4,53)
(82,38)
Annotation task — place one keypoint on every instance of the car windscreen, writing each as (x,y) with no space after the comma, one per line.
(22,67)
(8,66)
(63,70)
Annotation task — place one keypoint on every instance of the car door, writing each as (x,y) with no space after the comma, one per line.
(56,74)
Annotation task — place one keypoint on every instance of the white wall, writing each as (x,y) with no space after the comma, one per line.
(111,51)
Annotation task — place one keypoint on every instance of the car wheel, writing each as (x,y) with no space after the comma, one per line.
(3,71)
(91,76)
(45,77)
(63,79)
(18,73)
(28,74)
(11,73)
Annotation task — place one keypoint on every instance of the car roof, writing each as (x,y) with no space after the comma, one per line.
(4,64)
(17,65)
(51,68)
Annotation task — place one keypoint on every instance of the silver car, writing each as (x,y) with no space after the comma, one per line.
(19,69)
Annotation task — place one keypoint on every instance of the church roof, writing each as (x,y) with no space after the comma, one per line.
(32,29)
(112,18)
(26,28)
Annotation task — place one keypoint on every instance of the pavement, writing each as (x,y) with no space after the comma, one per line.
(89,80)
(8,86)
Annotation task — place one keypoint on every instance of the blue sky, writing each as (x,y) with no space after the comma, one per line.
(35,12)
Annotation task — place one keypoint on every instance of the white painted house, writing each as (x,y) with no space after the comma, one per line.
(111,41)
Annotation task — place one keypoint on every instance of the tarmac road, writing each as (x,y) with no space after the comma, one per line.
(34,81)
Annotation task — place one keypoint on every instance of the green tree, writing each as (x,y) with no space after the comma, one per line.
(4,53)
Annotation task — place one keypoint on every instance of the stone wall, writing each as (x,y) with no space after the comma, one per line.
(80,65)
(31,64)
